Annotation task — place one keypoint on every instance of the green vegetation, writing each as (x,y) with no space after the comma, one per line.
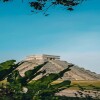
(21,88)
(15,87)
(87,85)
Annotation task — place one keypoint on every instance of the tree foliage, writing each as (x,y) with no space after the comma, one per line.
(44,5)
(23,88)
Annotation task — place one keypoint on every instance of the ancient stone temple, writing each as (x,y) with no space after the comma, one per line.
(43,57)
(56,65)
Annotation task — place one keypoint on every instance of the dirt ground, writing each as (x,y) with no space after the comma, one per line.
(78,93)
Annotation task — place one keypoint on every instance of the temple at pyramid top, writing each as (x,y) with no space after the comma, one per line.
(43,57)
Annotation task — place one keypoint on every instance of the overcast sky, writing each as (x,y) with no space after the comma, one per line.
(75,36)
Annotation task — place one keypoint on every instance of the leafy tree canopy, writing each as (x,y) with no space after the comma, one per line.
(44,5)
(24,88)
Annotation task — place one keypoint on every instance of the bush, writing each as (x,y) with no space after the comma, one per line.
(21,88)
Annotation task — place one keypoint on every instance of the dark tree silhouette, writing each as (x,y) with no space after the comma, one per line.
(44,5)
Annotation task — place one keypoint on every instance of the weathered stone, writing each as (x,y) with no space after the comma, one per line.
(56,65)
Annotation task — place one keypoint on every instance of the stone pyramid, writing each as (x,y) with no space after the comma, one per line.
(56,65)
